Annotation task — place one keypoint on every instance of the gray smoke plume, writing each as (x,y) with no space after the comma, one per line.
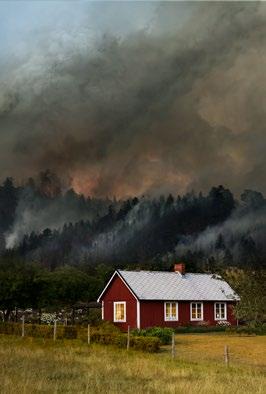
(164,98)
(240,226)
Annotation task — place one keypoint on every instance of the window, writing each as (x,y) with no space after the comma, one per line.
(196,311)
(119,311)
(170,311)
(220,311)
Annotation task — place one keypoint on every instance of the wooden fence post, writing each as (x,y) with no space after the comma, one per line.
(226,355)
(55,326)
(128,337)
(173,345)
(89,334)
(23,327)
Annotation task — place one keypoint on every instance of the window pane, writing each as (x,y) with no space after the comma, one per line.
(167,310)
(193,311)
(119,311)
(222,311)
(173,310)
(198,311)
(217,311)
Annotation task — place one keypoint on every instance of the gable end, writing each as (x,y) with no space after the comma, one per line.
(110,281)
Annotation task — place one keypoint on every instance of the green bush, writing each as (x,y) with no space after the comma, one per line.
(120,340)
(146,344)
(82,334)
(164,334)
(42,331)
(104,338)
(198,329)
(10,328)
(95,316)
(248,330)
(107,327)
(106,334)
(70,332)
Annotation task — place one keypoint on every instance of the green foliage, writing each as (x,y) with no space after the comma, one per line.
(69,285)
(106,334)
(248,330)
(28,285)
(21,285)
(10,328)
(94,316)
(199,329)
(146,344)
(70,332)
(164,334)
(251,287)
(108,327)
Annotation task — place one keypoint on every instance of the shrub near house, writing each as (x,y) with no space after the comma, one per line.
(142,299)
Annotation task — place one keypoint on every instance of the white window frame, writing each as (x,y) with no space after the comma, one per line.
(225,311)
(196,319)
(167,318)
(125,309)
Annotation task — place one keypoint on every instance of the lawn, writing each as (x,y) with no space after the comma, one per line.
(41,366)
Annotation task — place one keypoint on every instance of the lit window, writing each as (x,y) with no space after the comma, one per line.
(170,311)
(220,311)
(119,311)
(196,311)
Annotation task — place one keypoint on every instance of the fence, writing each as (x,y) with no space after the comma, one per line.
(107,335)
(86,334)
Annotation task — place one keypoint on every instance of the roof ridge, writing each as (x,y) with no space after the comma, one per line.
(168,272)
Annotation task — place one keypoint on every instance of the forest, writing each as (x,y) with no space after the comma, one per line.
(58,247)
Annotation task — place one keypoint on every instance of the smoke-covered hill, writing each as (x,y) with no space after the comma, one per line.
(44,221)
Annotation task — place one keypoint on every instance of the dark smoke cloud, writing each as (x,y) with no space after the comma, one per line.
(173,103)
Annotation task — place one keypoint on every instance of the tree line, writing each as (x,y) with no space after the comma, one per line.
(25,285)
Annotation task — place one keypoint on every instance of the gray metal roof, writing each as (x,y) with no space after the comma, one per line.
(157,285)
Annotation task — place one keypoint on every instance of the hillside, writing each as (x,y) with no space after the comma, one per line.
(45,222)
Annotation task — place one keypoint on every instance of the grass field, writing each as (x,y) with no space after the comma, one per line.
(41,366)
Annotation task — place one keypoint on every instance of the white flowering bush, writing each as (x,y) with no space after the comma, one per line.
(48,318)
(223,323)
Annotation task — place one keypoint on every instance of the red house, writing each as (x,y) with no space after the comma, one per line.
(141,299)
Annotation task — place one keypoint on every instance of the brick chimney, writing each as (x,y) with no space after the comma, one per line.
(180,267)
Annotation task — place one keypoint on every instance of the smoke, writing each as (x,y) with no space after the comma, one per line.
(41,209)
(241,226)
(166,98)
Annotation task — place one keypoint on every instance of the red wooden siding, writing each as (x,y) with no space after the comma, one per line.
(118,291)
(152,314)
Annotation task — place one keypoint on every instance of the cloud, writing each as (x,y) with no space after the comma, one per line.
(171,102)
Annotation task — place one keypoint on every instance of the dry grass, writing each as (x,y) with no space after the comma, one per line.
(249,350)
(38,366)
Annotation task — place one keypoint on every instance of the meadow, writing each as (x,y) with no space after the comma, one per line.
(33,365)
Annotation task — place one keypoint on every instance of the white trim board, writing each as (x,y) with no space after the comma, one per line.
(138,314)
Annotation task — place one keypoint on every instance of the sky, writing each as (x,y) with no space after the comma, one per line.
(133,98)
